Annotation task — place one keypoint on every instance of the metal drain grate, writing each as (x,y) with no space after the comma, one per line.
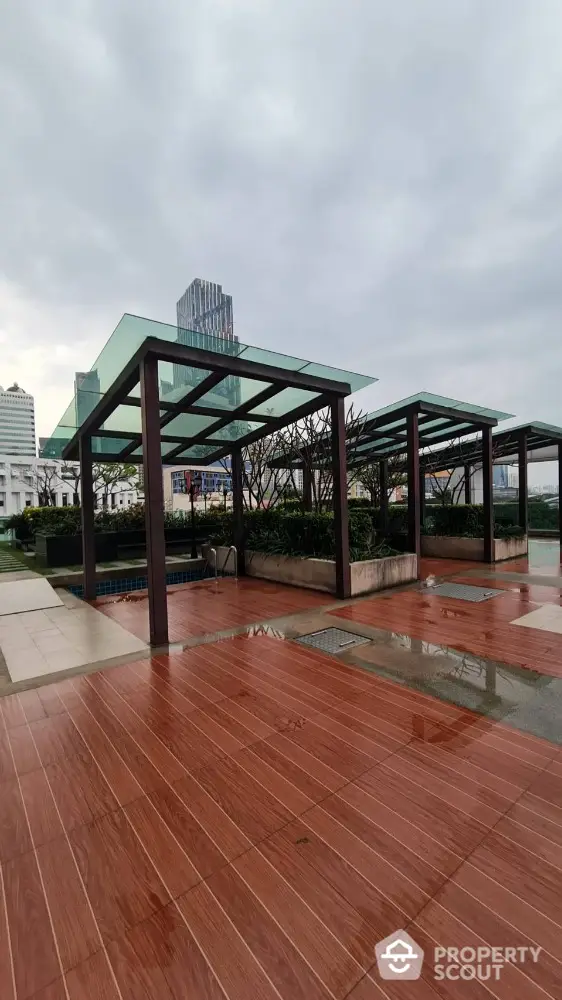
(461,592)
(332,640)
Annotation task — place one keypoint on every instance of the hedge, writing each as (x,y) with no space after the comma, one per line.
(310,535)
(467,520)
(66,520)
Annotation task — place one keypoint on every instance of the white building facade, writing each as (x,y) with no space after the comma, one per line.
(25,481)
(17,422)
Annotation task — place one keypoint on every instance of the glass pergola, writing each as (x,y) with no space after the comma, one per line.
(213,395)
(410,427)
(159,394)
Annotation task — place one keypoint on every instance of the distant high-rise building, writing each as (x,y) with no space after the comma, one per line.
(205,320)
(204,308)
(87,394)
(17,422)
(501,476)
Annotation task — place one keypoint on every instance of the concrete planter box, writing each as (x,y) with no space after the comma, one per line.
(445,547)
(320,574)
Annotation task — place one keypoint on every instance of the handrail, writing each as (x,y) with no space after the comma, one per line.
(232,549)
(214,551)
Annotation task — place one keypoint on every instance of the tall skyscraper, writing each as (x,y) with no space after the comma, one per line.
(87,394)
(501,476)
(17,422)
(205,319)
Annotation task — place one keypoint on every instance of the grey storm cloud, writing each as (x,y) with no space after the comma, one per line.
(378,185)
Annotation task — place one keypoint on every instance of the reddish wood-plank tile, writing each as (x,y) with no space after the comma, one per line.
(6,969)
(7,769)
(395,841)
(490,927)
(346,924)
(484,629)
(228,837)
(398,883)
(32,706)
(14,832)
(23,749)
(251,806)
(122,885)
(523,873)
(75,931)
(444,926)
(50,700)
(297,845)
(397,824)
(284,790)
(232,961)
(80,790)
(12,712)
(509,907)
(93,980)
(56,737)
(273,949)
(117,774)
(160,959)
(200,848)
(209,606)
(331,961)
(42,813)
(166,852)
(419,989)
(33,948)
(455,830)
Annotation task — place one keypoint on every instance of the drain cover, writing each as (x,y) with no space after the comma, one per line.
(332,640)
(463,593)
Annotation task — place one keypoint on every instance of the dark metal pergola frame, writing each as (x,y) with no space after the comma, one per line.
(143,368)
(517,441)
(380,440)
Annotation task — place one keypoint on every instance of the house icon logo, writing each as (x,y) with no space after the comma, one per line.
(399,957)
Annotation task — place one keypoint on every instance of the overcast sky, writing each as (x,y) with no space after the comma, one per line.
(377,184)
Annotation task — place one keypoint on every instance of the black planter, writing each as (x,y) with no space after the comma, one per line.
(66,550)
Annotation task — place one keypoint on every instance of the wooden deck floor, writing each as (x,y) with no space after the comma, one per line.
(483,629)
(210,606)
(247,819)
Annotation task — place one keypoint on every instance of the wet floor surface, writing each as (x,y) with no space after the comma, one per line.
(250,817)
(242,815)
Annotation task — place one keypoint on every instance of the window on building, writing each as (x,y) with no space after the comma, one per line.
(113,500)
(65,499)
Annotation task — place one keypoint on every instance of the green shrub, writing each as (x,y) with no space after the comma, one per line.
(543,515)
(467,520)
(294,533)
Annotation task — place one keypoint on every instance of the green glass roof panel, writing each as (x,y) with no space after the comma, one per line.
(198,452)
(446,401)
(109,445)
(283,402)
(235,430)
(355,380)
(175,380)
(232,392)
(454,431)
(187,425)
